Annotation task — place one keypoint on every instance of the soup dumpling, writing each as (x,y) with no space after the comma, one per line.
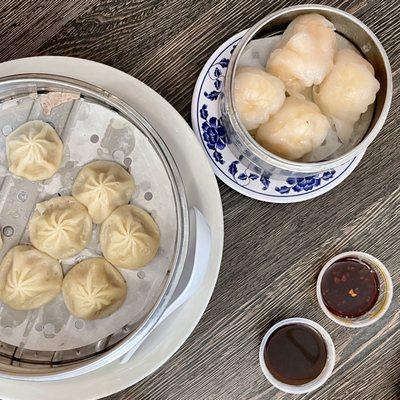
(34,151)
(305,54)
(60,227)
(93,289)
(257,94)
(29,278)
(102,186)
(296,129)
(347,91)
(129,237)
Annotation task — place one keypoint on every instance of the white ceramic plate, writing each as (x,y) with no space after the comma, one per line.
(206,122)
(169,336)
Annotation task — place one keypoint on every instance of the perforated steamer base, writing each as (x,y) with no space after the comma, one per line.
(90,129)
(161,344)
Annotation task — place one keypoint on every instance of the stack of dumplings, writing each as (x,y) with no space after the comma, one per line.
(60,228)
(327,90)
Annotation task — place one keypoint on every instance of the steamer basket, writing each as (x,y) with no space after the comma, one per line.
(244,146)
(18,198)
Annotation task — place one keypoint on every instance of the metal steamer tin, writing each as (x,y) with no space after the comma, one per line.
(244,146)
(93,124)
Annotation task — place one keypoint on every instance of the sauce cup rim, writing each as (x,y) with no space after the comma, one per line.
(324,375)
(374,263)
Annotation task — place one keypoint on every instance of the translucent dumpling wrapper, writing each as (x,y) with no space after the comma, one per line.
(295,130)
(323,152)
(257,95)
(102,186)
(60,227)
(34,151)
(347,91)
(305,54)
(93,289)
(129,237)
(29,278)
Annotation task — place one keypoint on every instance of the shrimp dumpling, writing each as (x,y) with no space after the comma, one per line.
(347,91)
(34,151)
(60,227)
(257,94)
(305,54)
(29,278)
(102,186)
(129,237)
(296,129)
(93,289)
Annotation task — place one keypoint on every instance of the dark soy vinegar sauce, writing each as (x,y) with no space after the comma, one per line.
(350,288)
(295,354)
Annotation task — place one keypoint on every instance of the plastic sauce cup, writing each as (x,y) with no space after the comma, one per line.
(323,376)
(385,291)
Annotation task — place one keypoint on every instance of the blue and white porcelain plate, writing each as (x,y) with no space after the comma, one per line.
(206,123)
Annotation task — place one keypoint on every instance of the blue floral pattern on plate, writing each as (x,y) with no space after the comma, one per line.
(213,134)
(305,184)
(245,177)
(216,75)
(208,126)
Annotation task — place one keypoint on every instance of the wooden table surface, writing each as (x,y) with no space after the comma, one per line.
(272,252)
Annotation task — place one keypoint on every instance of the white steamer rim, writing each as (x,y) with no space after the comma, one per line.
(98,358)
(180,138)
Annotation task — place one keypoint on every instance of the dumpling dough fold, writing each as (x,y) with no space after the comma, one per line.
(305,54)
(29,278)
(296,129)
(257,94)
(129,237)
(60,227)
(347,91)
(93,289)
(34,151)
(102,186)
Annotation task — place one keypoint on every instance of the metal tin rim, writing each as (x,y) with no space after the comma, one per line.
(116,351)
(273,159)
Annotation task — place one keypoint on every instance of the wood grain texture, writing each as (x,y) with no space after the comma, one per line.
(272,252)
